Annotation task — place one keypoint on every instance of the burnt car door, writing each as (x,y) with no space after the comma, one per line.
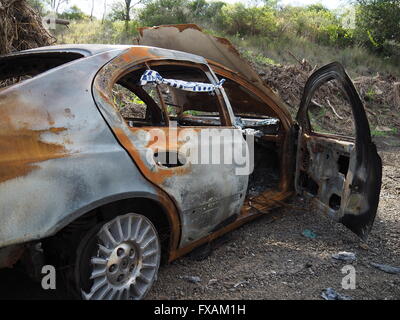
(341,174)
(177,138)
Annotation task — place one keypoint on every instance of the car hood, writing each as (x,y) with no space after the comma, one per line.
(218,51)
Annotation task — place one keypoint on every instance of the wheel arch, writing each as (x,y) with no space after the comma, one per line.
(157,208)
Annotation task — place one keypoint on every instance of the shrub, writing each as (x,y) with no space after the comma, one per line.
(98,32)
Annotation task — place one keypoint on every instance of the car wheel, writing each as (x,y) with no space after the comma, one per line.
(118,259)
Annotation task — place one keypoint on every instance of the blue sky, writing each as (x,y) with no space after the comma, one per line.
(85,5)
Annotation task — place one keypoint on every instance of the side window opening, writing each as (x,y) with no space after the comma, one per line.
(141,105)
(253,113)
(189,108)
(138,105)
(250,110)
(17,68)
(330,111)
(129,104)
(244,102)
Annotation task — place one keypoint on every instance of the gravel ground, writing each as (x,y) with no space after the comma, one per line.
(270,258)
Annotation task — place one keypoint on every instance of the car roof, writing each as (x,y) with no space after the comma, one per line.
(84,49)
(87,50)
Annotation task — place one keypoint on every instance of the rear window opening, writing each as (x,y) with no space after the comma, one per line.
(141,105)
(17,68)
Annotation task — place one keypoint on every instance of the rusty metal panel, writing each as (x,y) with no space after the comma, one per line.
(226,62)
(58,157)
(319,160)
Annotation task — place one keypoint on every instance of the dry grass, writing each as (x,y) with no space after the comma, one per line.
(377,94)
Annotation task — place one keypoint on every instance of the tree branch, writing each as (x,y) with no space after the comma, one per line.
(333,109)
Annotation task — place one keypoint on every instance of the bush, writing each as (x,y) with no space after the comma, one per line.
(241,20)
(378,23)
(97,32)
(73,13)
(315,23)
(165,12)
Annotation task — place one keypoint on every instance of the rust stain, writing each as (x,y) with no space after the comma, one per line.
(136,54)
(21,149)
(50,119)
(173,218)
(21,146)
(264,201)
(118,68)
(105,97)
(229,71)
(225,42)
(170,138)
(160,174)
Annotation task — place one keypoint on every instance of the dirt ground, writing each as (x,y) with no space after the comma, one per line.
(270,258)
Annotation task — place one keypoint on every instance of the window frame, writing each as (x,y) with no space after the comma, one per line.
(226,120)
(331,135)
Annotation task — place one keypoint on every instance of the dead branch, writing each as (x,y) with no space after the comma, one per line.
(333,109)
(295,58)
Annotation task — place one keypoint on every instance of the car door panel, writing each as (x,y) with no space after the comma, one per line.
(206,193)
(341,174)
(320,172)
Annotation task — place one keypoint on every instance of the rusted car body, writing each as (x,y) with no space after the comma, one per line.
(68,156)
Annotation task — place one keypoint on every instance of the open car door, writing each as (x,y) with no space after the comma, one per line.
(342,174)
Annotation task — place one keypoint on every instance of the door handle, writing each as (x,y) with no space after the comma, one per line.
(169,159)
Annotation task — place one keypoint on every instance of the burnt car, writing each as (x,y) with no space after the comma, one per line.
(89,186)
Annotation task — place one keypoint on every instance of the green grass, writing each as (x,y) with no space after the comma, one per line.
(371,94)
(258,58)
(377,133)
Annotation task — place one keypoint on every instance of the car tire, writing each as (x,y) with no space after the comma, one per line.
(118,259)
